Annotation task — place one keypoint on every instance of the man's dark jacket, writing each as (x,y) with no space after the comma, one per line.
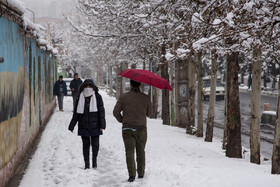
(75,84)
(89,120)
(56,88)
(132,109)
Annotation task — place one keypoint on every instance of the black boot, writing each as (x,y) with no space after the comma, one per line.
(86,166)
(131,179)
(94,163)
(86,145)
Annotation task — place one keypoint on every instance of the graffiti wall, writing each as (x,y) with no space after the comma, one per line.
(26,80)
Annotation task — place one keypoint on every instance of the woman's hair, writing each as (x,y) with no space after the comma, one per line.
(90,83)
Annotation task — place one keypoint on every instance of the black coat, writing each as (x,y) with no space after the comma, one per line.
(89,120)
(76,85)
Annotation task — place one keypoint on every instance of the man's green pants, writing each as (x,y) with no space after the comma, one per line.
(135,140)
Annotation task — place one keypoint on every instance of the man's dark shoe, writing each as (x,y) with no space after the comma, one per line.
(131,179)
(86,167)
(140,177)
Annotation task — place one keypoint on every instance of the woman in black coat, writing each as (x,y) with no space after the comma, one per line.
(89,112)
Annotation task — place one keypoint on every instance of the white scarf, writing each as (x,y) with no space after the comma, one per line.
(81,105)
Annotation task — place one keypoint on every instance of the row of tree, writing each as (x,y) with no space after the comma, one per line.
(173,38)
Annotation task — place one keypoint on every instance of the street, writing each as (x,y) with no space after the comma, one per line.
(267,130)
(173,158)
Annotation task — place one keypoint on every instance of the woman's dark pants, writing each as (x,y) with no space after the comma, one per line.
(94,142)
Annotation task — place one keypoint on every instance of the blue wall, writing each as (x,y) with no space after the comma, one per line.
(26,80)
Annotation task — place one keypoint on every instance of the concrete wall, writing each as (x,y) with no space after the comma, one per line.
(26,81)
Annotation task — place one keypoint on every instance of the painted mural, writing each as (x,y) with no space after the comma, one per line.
(11,100)
(26,80)
(11,89)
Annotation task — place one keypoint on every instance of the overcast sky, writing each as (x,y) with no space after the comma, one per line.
(48,8)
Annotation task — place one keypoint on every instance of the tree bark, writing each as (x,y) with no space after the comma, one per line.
(118,83)
(212,99)
(173,119)
(165,93)
(233,148)
(225,137)
(177,93)
(275,169)
(191,96)
(155,102)
(181,89)
(124,67)
(199,132)
(111,80)
(256,106)
(155,96)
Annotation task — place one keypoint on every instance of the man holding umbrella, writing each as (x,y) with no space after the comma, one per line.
(131,110)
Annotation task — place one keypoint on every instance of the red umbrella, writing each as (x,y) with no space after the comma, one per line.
(146,77)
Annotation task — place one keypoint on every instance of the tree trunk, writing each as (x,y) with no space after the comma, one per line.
(275,169)
(133,66)
(242,78)
(173,119)
(155,102)
(264,81)
(256,106)
(212,99)
(225,137)
(165,93)
(181,84)
(143,85)
(111,80)
(124,67)
(177,93)
(273,83)
(191,95)
(118,83)
(233,148)
(199,132)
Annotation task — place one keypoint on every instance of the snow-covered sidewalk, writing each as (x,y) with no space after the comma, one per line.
(173,158)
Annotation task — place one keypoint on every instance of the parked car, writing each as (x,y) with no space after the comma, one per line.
(67,81)
(220,89)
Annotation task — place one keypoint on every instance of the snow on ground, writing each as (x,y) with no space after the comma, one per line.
(173,158)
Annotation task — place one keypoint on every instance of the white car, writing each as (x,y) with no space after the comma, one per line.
(220,89)
(68,81)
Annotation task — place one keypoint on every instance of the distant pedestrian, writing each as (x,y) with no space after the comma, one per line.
(131,110)
(74,87)
(60,90)
(89,112)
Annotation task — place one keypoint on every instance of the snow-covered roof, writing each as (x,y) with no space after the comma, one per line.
(42,42)
(49,48)
(55,51)
(42,28)
(30,25)
(35,29)
(16,5)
